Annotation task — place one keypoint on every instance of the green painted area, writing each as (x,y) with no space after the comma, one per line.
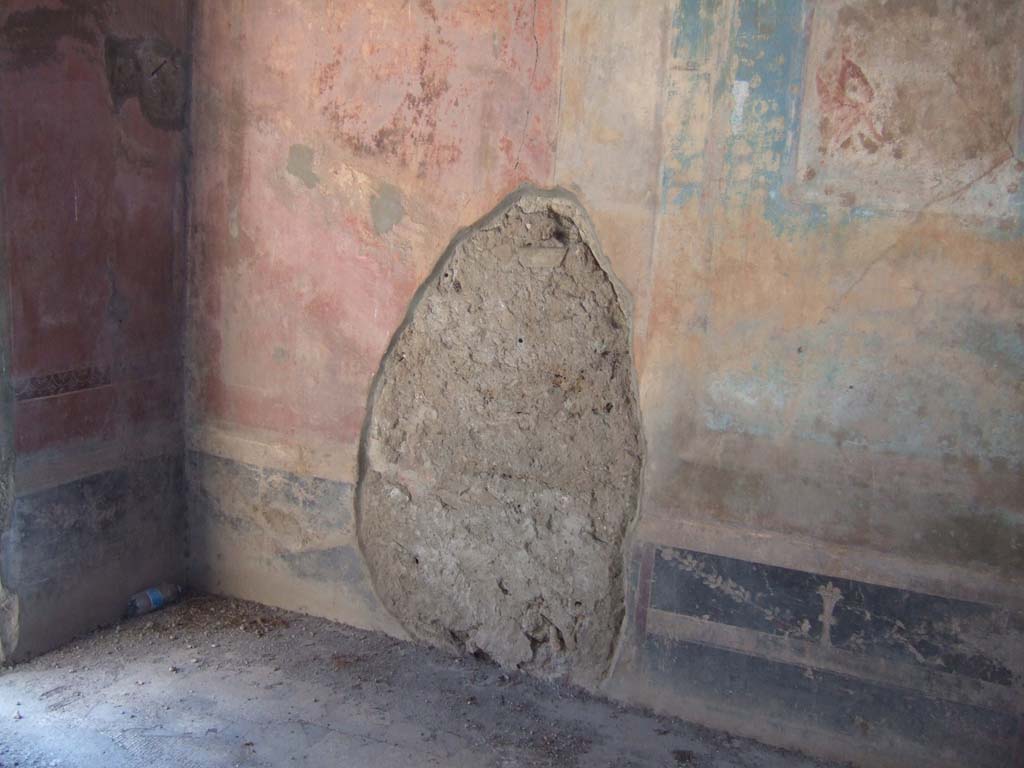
(386,208)
(300,164)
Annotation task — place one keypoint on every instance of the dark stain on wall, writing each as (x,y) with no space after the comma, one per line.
(30,38)
(154,72)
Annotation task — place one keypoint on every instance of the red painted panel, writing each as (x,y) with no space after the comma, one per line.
(153,400)
(52,422)
(92,225)
(58,216)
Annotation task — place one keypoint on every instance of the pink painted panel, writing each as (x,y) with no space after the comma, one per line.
(337,151)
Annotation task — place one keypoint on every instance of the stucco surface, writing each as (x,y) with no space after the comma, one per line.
(817,207)
(337,149)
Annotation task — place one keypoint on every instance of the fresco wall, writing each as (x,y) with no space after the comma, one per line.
(93,150)
(816,207)
(338,148)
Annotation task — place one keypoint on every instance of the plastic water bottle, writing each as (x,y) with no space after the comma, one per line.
(152,599)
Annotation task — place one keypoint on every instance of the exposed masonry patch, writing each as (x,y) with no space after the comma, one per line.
(502,454)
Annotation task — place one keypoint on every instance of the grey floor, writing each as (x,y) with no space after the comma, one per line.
(217,682)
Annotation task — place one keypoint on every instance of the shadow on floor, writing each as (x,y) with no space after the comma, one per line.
(220,682)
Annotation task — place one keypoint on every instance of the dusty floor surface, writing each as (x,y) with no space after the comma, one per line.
(217,682)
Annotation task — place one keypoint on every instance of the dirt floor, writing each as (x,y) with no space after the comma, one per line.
(218,682)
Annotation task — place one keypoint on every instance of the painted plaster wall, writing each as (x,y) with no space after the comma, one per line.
(823,363)
(94,200)
(338,147)
(8,601)
(817,208)
(830,362)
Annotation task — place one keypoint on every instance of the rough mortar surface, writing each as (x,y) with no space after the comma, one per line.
(214,682)
(503,451)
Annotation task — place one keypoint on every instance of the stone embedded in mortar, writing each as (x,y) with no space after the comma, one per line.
(503,451)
